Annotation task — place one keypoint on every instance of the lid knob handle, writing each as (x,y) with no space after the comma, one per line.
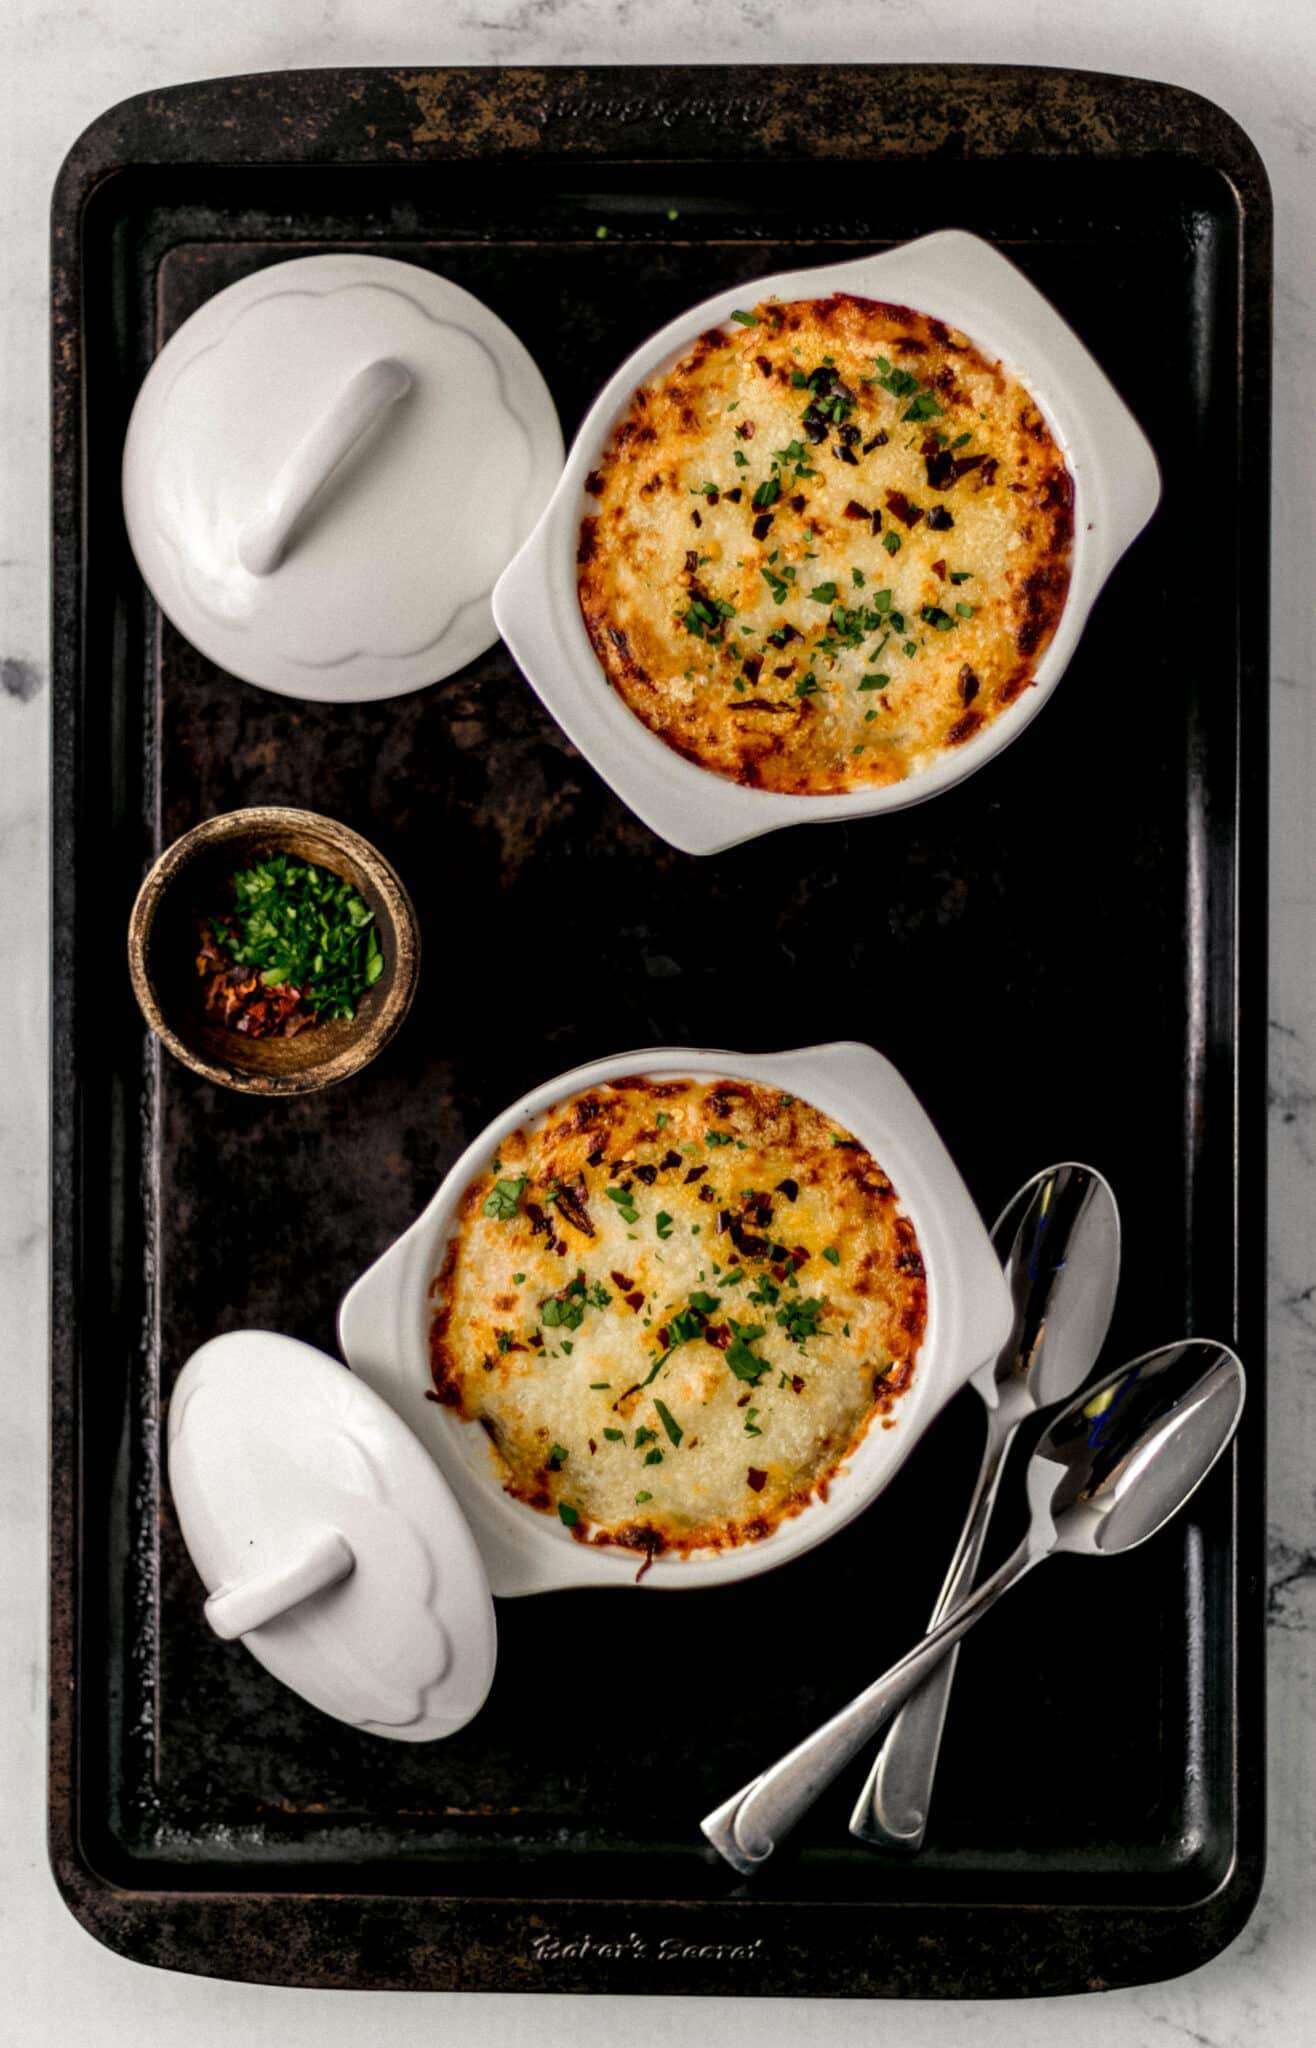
(235,1610)
(359,406)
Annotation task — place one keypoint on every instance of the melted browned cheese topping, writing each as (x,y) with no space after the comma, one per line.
(675,1307)
(827,546)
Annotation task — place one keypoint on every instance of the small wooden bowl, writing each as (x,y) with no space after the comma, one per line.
(189,879)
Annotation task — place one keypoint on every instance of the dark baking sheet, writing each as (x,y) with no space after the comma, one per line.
(1065,956)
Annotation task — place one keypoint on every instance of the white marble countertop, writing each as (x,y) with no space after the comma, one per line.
(61,63)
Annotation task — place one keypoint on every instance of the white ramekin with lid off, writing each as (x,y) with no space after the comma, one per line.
(352,1531)
(953,277)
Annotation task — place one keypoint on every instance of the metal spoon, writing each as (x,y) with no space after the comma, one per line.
(1111,1470)
(1059,1242)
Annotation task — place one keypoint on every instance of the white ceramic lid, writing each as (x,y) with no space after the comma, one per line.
(328,467)
(327,1538)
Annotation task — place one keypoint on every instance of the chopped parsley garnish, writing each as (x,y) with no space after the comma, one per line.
(566,1310)
(965,610)
(517,1278)
(504,1199)
(898,382)
(767,494)
(669,1423)
(684,1327)
(615,1436)
(625,1206)
(706,1303)
(746,319)
(557,1457)
(717,1137)
(933,615)
(891,542)
(832,1255)
(653,1458)
(751,1426)
(645,1435)
(566,1513)
(823,593)
(641,1498)
(800,1319)
(874,682)
(663,1224)
(924,407)
(740,1358)
(776,584)
(302,929)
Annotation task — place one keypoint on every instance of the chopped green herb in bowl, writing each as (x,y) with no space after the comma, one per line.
(295,945)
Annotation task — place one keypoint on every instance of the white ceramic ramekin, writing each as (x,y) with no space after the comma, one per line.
(954,277)
(384,1321)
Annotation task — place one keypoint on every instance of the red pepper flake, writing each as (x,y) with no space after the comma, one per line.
(237,997)
(758,1480)
(854,510)
(906,512)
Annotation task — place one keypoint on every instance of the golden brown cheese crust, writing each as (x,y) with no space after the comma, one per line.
(675,1307)
(826,547)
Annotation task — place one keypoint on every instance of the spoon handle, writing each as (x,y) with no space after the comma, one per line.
(747,1828)
(892,1809)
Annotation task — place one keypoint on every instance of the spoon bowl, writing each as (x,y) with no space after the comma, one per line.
(1059,1243)
(1132,1451)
